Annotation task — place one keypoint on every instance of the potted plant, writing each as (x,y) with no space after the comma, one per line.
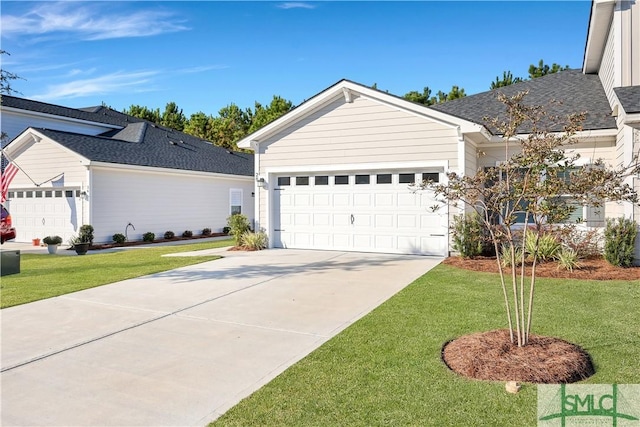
(52,243)
(82,242)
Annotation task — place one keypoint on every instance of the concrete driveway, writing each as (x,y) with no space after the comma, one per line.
(180,348)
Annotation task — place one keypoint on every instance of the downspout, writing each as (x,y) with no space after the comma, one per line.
(256,162)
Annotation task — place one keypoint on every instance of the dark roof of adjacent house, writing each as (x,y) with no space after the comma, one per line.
(154,146)
(98,114)
(562,93)
(629,97)
(137,142)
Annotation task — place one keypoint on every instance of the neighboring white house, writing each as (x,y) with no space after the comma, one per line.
(334,172)
(118,173)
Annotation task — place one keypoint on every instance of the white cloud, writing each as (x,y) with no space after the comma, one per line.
(90,21)
(202,68)
(296,5)
(109,83)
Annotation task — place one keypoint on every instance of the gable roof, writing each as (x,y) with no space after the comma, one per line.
(158,147)
(629,97)
(563,93)
(347,88)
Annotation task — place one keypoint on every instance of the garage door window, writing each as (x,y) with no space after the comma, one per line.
(302,180)
(362,179)
(284,180)
(384,178)
(407,178)
(342,179)
(322,180)
(431,176)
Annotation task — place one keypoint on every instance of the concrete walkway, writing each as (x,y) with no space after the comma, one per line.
(180,348)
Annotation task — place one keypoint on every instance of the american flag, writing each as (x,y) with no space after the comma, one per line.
(9,170)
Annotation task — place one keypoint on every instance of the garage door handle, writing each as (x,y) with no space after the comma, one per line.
(352,219)
(437,235)
(42,221)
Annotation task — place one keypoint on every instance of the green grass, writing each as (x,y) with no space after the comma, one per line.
(386,368)
(46,276)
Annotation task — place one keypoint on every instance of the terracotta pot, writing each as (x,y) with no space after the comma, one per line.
(36,242)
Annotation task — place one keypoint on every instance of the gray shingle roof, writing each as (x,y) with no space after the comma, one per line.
(571,92)
(629,97)
(159,147)
(93,114)
(137,141)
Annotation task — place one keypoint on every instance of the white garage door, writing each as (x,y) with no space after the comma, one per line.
(37,213)
(369,212)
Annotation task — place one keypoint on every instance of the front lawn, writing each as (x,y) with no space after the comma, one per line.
(386,368)
(46,276)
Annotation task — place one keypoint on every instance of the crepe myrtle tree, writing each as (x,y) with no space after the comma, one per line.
(539,185)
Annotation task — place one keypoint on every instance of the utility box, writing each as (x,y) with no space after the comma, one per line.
(9,262)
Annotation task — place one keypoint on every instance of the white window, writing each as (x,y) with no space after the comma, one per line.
(235,201)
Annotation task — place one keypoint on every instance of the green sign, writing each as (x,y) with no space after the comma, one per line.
(616,405)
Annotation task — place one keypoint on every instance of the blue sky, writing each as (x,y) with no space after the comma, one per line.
(204,55)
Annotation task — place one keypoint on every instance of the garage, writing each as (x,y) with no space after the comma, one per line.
(369,211)
(41,212)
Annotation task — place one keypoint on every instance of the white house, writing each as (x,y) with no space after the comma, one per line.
(334,172)
(118,173)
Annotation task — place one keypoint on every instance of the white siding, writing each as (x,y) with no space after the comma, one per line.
(362,131)
(607,66)
(14,123)
(45,160)
(630,40)
(159,202)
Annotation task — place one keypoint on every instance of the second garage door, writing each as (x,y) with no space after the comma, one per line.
(363,211)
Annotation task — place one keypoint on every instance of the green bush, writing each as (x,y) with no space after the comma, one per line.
(468,235)
(148,237)
(548,245)
(506,256)
(119,238)
(568,259)
(52,240)
(86,234)
(238,225)
(619,241)
(187,233)
(255,241)
(226,230)
(206,231)
(169,234)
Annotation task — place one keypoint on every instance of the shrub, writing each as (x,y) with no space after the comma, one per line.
(86,234)
(568,259)
(467,235)
(619,241)
(169,234)
(548,245)
(586,243)
(226,230)
(255,241)
(52,240)
(148,237)
(206,231)
(238,225)
(506,256)
(119,238)
(187,233)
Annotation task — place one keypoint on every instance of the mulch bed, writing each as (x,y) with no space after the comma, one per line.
(590,269)
(491,356)
(99,246)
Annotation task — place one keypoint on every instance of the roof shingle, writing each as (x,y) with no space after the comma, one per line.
(563,93)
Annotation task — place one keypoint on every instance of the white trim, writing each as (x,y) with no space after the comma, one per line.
(601,11)
(165,171)
(444,164)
